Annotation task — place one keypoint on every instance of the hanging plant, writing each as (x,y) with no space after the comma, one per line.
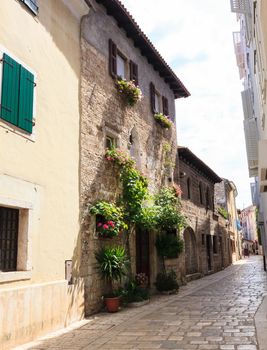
(169,246)
(163,120)
(109,219)
(130,92)
(169,210)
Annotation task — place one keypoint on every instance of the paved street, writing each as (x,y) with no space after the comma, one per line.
(216,312)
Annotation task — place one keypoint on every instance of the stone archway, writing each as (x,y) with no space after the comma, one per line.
(191,265)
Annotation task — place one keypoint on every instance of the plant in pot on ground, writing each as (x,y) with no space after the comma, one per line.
(109,219)
(112,264)
(166,281)
(134,293)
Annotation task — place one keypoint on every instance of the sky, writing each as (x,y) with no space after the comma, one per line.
(195,39)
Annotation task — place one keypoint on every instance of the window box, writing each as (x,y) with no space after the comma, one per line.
(163,120)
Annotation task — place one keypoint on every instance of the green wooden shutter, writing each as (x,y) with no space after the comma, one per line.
(10,90)
(25,111)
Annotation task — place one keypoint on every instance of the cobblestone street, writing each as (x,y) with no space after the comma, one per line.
(216,312)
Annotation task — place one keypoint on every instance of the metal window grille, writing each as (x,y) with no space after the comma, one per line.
(9,223)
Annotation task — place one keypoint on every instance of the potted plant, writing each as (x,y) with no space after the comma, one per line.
(131,92)
(112,263)
(166,282)
(163,120)
(109,219)
(135,295)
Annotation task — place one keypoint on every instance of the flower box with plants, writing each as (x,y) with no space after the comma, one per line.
(109,219)
(163,120)
(112,264)
(130,92)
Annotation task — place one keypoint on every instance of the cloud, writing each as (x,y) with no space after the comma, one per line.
(196,39)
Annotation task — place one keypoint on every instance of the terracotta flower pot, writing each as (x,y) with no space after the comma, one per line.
(112,304)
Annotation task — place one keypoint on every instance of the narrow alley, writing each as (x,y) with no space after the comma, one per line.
(215,312)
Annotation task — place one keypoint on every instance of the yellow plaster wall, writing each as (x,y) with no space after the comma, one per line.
(43,169)
(49,45)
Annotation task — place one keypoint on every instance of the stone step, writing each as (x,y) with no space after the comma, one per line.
(193,276)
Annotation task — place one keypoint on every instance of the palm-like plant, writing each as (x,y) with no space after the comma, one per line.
(112,264)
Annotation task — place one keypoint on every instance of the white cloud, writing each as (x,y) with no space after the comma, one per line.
(195,38)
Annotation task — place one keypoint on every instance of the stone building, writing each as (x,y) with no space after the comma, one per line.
(39,177)
(225,194)
(206,238)
(113,46)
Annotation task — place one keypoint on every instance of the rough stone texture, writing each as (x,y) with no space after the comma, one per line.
(215,312)
(105,114)
(203,224)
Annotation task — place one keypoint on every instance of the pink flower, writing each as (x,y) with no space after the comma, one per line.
(105,226)
(99,224)
(111,223)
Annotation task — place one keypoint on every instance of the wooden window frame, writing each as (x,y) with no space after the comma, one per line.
(133,72)
(165,106)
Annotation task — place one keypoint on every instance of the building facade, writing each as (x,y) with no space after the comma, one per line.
(248,218)
(206,239)
(251,51)
(39,177)
(114,47)
(225,194)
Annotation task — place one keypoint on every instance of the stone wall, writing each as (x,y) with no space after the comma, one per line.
(203,225)
(105,114)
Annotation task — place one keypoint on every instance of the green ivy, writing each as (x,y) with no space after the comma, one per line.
(169,210)
(169,245)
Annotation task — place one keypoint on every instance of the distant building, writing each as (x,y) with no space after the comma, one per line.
(225,199)
(206,238)
(248,222)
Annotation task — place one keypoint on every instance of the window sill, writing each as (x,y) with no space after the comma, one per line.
(15,130)
(13,276)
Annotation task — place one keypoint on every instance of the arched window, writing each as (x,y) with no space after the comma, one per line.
(200,193)
(188,184)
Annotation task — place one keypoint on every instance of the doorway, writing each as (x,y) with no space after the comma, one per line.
(142,252)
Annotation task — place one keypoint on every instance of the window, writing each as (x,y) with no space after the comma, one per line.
(117,63)
(9,223)
(165,106)
(215,245)
(157,102)
(152,98)
(188,185)
(120,66)
(134,72)
(32,5)
(112,59)
(200,193)
(17,94)
(110,142)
